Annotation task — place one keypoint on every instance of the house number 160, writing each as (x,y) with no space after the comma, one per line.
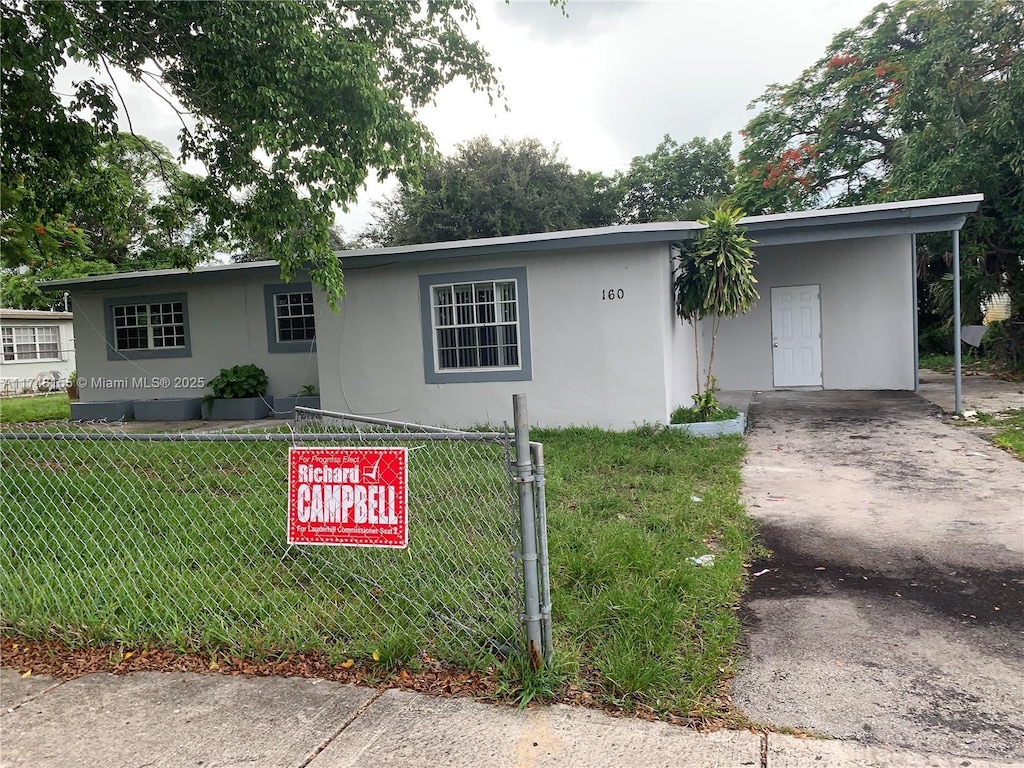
(611,294)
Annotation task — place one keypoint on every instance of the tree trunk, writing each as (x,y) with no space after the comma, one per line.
(696,353)
(711,356)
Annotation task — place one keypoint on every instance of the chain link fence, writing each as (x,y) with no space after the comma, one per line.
(179,539)
(42,383)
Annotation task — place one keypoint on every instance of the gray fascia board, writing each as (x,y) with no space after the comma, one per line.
(849,231)
(439,251)
(628,234)
(127,279)
(931,215)
(930,209)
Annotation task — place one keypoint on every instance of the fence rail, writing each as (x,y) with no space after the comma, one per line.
(180,539)
(43,383)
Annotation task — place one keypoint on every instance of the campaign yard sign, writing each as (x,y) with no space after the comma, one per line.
(352,497)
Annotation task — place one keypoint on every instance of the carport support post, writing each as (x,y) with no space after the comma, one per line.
(917,311)
(528,526)
(958,396)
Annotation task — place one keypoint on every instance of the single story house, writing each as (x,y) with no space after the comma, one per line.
(38,350)
(582,321)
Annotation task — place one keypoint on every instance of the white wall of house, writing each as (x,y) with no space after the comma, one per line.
(227,326)
(29,367)
(867,315)
(605,345)
(596,360)
(680,362)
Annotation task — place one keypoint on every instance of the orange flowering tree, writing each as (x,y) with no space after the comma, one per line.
(922,99)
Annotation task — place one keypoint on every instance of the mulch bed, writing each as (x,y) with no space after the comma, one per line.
(57,659)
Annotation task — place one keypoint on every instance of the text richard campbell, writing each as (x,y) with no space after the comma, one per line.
(142,382)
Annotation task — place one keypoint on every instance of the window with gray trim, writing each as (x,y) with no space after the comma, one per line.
(291,317)
(147,327)
(476,326)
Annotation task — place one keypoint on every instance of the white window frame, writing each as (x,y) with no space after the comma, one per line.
(487,308)
(274,341)
(115,313)
(303,302)
(12,352)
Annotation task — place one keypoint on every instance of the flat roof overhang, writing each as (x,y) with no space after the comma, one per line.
(940,214)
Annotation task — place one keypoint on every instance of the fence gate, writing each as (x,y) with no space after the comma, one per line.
(179,539)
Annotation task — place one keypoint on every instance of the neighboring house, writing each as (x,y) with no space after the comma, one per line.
(582,321)
(38,350)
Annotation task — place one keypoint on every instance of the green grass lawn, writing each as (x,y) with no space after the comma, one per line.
(183,545)
(1010,426)
(18,410)
(634,621)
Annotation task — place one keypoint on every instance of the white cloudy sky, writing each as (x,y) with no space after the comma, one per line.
(608,81)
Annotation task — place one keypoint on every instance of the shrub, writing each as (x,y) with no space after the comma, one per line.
(239,381)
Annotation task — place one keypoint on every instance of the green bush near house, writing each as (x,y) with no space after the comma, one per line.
(239,381)
(694,415)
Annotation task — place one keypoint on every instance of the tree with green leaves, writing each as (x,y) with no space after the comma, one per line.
(677,182)
(128,209)
(922,99)
(714,277)
(287,106)
(492,190)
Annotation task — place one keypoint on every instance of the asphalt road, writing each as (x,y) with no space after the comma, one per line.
(892,611)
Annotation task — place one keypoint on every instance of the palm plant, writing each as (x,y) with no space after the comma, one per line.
(714,277)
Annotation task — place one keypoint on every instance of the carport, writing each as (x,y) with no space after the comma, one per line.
(838,306)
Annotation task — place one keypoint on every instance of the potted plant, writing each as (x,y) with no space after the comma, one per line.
(238,394)
(714,278)
(72,386)
(306,397)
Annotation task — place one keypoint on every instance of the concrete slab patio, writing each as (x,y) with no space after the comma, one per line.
(893,611)
(982,392)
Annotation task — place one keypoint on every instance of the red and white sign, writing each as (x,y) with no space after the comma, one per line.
(352,497)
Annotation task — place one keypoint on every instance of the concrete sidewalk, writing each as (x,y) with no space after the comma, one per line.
(179,719)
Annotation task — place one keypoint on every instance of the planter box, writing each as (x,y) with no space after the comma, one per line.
(174,409)
(238,409)
(284,407)
(113,410)
(715,428)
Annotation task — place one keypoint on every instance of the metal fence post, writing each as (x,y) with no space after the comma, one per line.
(542,540)
(528,538)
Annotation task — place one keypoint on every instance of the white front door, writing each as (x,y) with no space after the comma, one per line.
(796,336)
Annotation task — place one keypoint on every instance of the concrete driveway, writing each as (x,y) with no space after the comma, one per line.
(893,609)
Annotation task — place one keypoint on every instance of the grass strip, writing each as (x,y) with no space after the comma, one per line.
(636,623)
(20,410)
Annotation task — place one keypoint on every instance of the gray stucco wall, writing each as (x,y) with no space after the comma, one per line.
(595,360)
(227,326)
(867,315)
